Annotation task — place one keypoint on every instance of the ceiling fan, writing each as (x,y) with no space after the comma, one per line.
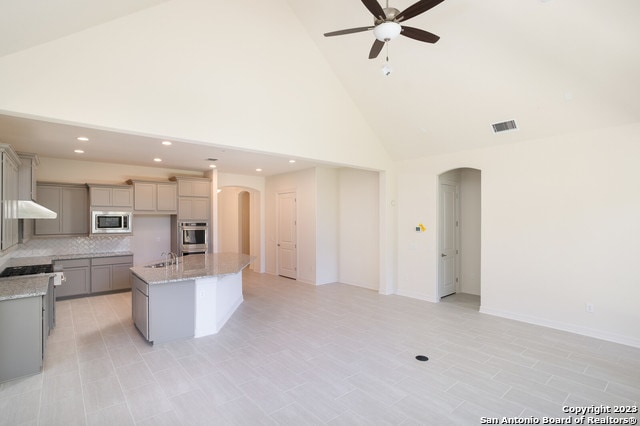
(386,24)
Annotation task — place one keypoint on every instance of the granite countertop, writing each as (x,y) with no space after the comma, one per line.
(27,286)
(195,266)
(40,260)
(36,285)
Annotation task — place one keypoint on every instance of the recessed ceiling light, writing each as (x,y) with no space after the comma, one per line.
(213,166)
(167,143)
(78,151)
(258,170)
(157,160)
(82,138)
(292,161)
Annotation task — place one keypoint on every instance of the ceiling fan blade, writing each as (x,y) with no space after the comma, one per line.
(375,49)
(419,35)
(416,9)
(348,31)
(374,7)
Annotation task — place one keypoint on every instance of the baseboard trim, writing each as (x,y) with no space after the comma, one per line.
(417,296)
(558,325)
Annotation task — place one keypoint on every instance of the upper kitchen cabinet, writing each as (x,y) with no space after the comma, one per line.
(27,190)
(194,198)
(71,202)
(150,197)
(111,196)
(9,188)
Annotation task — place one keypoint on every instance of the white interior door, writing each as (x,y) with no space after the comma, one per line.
(287,244)
(448,237)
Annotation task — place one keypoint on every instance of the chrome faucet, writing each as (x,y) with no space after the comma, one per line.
(174,258)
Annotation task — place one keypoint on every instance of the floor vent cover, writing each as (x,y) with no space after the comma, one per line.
(504,126)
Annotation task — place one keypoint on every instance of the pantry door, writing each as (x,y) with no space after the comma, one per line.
(287,242)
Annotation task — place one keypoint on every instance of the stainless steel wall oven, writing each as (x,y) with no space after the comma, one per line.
(192,238)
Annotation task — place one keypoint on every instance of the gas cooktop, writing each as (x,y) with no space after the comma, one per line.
(14,271)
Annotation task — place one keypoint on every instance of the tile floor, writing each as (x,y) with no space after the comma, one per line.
(295,354)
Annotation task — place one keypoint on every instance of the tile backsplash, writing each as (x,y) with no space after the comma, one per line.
(72,245)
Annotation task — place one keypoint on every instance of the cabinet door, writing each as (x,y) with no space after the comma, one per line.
(167,197)
(75,211)
(100,196)
(100,278)
(122,197)
(20,337)
(121,277)
(51,198)
(193,208)
(76,284)
(194,188)
(9,202)
(144,196)
(140,305)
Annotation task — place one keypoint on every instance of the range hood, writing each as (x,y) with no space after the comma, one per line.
(28,209)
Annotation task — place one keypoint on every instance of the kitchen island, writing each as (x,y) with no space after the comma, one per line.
(193,297)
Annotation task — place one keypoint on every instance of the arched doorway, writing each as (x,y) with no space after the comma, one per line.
(459,236)
(239,222)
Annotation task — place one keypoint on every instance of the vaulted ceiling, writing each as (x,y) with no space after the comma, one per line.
(553,66)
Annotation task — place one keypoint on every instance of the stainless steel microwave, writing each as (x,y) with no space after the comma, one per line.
(110,222)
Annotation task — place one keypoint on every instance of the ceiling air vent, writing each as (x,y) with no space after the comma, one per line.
(505,126)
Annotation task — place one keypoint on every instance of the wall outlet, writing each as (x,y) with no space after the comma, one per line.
(589,307)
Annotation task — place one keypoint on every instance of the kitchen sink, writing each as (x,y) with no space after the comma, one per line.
(158,265)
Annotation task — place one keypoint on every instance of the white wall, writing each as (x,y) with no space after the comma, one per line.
(359,228)
(228,228)
(171,71)
(559,229)
(256,187)
(327,205)
(470,231)
(303,183)
(78,171)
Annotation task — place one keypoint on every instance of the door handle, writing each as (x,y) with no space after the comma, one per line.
(278,244)
(443,255)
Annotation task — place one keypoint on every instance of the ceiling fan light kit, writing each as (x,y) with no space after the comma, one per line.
(386,25)
(387,31)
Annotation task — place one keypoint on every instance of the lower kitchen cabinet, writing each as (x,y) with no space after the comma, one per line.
(24,326)
(163,312)
(96,275)
(77,278)
(110,273)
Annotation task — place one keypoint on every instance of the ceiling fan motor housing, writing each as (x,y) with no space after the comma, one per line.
(390,14)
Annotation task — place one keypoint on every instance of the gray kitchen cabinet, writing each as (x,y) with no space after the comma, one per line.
(72,205)
(190,208)
(110,273)
(154,197)
(27,190)
(193,187)
(194,198)
(163,312)
(9,188)
(24,327)
(77,275)
(110,196)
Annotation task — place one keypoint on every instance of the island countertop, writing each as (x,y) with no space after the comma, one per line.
(193,267)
